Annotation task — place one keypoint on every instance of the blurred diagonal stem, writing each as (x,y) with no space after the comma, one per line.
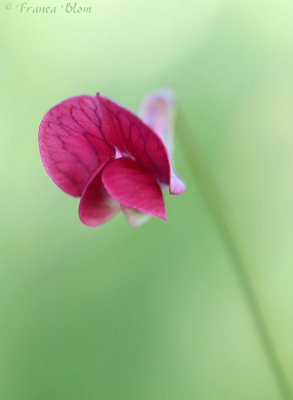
(219,213)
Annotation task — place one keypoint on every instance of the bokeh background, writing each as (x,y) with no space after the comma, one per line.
(155,313)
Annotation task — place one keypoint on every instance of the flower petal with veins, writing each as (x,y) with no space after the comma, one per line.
(72,142)
(134,139)
(96,205)
(128,184)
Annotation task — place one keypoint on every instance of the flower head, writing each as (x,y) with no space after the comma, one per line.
(96,149)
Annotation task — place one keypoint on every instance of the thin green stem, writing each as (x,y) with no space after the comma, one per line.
(216,206)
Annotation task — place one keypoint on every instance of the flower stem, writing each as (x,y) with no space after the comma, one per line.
(216,207)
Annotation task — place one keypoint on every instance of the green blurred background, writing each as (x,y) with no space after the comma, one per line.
(154,313)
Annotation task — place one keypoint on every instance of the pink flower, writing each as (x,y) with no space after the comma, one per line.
(95,149)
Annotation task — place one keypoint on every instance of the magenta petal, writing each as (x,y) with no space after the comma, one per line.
(96,205)
(134,138)
(72,142)
(128,184)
